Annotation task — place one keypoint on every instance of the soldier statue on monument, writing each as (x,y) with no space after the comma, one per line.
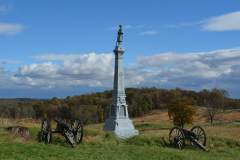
(120,35)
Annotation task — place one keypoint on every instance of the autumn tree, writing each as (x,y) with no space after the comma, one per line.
(14,111)
(52,112)
(4,111)
(55,101)
(105,105)
(145,108)
(165,94)
(100,114)
(64,111)
(87,114)
(175,94)
(233,104)
(150,101)
(39,108)
(215,101)
(157,99)
(182,110)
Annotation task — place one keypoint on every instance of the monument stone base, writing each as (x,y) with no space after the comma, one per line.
(122,128)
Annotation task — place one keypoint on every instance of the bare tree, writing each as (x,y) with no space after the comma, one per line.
(215,102)
(212,107)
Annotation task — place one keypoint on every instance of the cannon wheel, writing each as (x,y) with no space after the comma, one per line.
(177,138)
(77,130)
(46,131)
(201,135)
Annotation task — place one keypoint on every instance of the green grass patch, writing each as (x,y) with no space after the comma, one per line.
(98,144)
(153,125)
(234,124)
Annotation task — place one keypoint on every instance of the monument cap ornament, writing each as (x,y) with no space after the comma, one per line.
(118,121)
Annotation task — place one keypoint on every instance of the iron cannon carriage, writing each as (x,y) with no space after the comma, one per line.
(73,134)
(196,136)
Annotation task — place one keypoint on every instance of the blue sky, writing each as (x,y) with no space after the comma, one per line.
(60,48)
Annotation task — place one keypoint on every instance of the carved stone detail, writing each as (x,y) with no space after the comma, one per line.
(126,134)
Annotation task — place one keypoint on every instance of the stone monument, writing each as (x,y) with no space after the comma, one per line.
(118,121)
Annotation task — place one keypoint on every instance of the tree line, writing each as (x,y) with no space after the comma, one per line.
(94,107)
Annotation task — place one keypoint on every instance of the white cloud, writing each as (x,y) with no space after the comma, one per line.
(160,60)
(183,24)
(95,84)
(46,69)
(10,29)
(210,74)
(127,26)
(140,26)
(197,65)
(149,32)
(88,65)
(233,72)
(2,69)
(172,26)
(204,64)
(226,22)
(24,81)
(48,87)
(189,71)
(53,56)
(115,27)
(91,69)
(97,69)
(8,61)
(5,9)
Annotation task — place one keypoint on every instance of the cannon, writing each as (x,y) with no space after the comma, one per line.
(196,136)
(73,134)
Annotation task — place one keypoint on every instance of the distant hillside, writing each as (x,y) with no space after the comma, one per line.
(16,100)
(94,108)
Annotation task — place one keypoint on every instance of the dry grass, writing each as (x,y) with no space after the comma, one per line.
(155,132)
(225,132)
(227,117)
(216,131)
(97,138)
(162,116)
(27,122)
(155,116)
(12,137)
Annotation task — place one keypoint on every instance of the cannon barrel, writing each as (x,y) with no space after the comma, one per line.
(64,125)
(189,132)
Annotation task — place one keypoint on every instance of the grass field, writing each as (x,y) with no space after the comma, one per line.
(151,143)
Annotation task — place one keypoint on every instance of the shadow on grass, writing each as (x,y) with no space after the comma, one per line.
(159,142)
(39,137)
(141,130)
(55,140)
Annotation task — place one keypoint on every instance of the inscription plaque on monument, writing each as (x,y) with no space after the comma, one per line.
(118,121)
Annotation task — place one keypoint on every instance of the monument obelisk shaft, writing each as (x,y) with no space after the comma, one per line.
(118,121)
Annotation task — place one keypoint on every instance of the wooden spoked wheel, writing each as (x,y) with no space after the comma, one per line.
(46,131)
(77,130)
(201,135)
(177,138)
